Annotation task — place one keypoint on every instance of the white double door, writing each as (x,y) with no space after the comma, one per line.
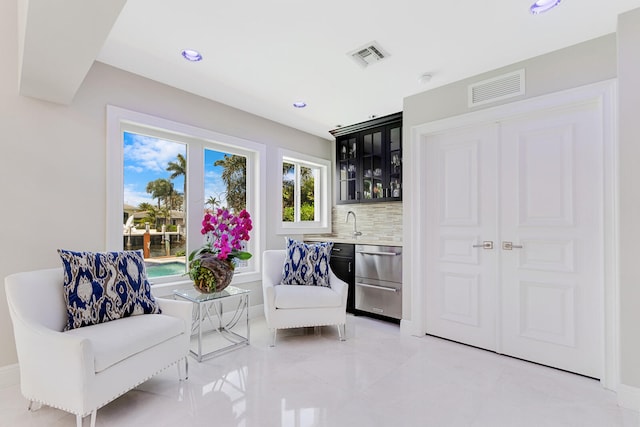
(515,246)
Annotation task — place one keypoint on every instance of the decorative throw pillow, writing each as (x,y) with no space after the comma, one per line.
(306,264)
(104,286)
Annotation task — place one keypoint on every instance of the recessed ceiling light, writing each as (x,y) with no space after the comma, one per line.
(425,78)
(299,104)
(192,55)
(543,5)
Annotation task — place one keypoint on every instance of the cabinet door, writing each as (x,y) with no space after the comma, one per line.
(393,163)
(372,164)
(342,263)
(347,154)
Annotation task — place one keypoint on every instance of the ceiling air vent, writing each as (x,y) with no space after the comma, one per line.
(368,54)
(497,88)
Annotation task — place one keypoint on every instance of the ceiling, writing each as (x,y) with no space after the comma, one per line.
(262,56)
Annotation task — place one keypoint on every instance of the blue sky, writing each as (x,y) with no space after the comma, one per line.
(146,159)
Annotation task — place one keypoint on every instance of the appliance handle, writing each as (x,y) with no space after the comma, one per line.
(377,253)
(382,288)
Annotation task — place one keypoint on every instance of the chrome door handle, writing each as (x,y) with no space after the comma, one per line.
(507,246)
(487,244)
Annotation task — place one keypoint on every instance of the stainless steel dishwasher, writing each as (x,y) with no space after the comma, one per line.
(379,280)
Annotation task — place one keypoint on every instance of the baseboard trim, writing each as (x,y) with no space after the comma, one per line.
(9,375)
(408,328)
(629,397)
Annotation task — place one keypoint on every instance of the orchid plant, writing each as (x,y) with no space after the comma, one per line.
(224,236)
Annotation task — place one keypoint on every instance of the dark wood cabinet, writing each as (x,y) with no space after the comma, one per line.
(369,161)
(342,263)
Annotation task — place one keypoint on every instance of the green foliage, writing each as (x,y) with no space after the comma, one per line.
(288,214)
(151,216)
(307,212)
(235,179)
(307,193)
(179,168)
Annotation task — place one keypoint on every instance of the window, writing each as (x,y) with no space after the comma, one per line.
(305,206)
(154,196)
(163,176)
(298,191)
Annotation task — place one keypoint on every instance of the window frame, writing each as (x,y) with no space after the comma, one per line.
(196,139)
(322,199)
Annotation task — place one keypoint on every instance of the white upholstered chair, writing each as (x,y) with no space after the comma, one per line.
(83,369)
(297,306)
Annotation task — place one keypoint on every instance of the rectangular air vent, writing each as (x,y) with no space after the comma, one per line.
(497,88)
(368,54)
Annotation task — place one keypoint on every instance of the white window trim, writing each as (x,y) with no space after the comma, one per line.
(323,199)
(120,119)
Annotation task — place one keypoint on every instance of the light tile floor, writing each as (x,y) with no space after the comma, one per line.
(377,378)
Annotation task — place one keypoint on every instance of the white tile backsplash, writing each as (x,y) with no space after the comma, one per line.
(379,223)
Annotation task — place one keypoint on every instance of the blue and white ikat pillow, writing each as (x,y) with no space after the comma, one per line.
(104,286)
(306,264)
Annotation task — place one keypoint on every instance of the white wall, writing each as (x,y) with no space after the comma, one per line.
(629,191)
(52,167)
(578,65)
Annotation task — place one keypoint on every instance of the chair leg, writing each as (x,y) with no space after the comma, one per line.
(342,332)
(78,420)
(94,413)
(186,369)
(274,332)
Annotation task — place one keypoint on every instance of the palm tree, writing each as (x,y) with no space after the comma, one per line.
(151,213)
(234,176)
(213,202)
(177,169)
(161,189)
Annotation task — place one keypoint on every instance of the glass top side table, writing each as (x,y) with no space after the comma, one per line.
(209,318)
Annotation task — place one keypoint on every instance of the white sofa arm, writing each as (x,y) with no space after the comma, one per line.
(72,357)
(272,262)
(180,309)
(339,285)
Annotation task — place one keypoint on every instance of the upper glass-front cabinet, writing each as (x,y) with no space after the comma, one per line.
(369,161)
(347,169)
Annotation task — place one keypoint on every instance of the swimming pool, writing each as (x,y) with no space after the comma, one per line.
(165,269)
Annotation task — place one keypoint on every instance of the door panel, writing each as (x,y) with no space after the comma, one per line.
(461,283)
(544,166)
(460,298)
(547,312)
(551,204)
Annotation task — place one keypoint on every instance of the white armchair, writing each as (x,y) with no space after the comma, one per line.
(83,369)
(291,306)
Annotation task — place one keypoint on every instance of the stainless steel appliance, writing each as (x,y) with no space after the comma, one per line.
(379,280)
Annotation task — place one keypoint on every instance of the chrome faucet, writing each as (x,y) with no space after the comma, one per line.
(356,233)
